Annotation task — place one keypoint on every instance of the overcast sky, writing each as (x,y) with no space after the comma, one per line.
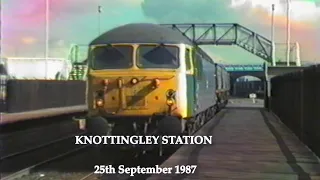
(76,21)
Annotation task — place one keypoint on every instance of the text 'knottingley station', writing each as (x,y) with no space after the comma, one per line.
(143,140)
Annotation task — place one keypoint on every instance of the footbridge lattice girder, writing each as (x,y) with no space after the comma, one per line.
(226,34)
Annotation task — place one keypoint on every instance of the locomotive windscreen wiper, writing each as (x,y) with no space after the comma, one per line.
(149,54)
(110,47)
(160,46)
(156,48)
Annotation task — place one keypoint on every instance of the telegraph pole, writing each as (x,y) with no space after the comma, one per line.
(272,37)
(1,28)
(99,19)
(288,32)
(47,38)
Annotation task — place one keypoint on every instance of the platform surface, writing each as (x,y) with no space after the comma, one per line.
(249,144)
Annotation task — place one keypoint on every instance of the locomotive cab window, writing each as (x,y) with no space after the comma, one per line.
(112,57)
(188,59)
(158,56)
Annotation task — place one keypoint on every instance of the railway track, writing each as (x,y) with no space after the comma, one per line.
(24,141)
(143,160)
(28,170)
(79,165)
(21,163)
(74,165)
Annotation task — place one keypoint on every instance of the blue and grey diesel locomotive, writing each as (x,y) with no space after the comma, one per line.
(146,78)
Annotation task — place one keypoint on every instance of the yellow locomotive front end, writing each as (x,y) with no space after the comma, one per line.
(131,93)
(134,85)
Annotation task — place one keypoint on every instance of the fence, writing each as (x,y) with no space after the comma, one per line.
(28,95)
(296,101)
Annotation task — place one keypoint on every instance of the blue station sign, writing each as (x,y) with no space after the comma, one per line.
(232,68)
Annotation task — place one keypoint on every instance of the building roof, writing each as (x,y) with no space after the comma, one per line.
(141,33)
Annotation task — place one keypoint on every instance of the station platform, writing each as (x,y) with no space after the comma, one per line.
(249,144)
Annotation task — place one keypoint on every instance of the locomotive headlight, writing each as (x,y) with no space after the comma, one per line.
(134,81)
(99,102)
(170,102)
(105,82)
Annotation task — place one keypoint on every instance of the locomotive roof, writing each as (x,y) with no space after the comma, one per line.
(141,33)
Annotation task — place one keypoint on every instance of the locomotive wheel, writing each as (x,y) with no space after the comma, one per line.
(123,129)
(170,126)
(98,126)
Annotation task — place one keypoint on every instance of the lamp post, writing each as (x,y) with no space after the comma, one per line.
(272,37)
(47,38)
(1,29)
(288,32)
(99,18)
